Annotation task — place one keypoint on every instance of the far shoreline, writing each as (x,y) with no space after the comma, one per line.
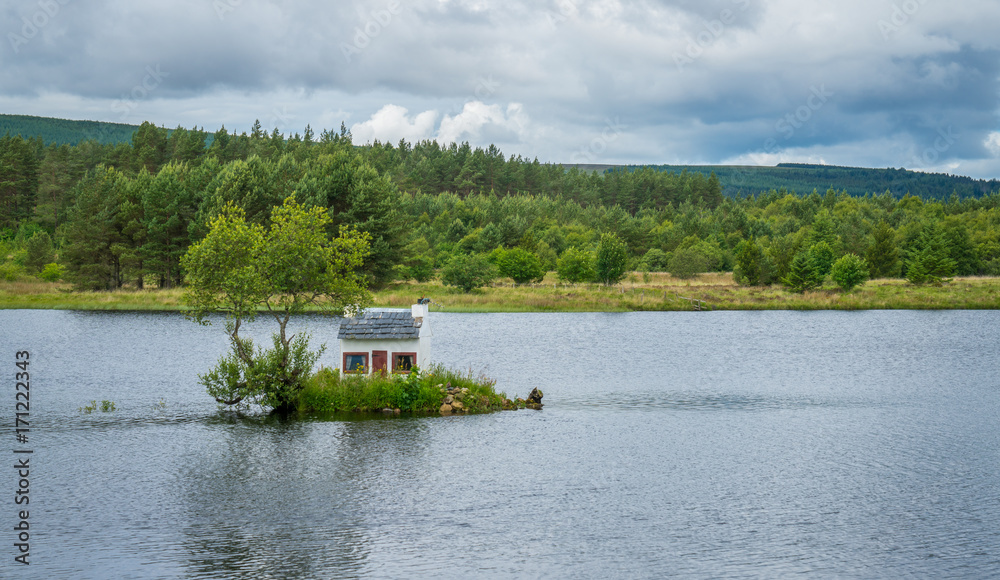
(657,292)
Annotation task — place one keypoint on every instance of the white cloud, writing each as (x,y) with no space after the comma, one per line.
(993,143)
(392,123)
(478,117)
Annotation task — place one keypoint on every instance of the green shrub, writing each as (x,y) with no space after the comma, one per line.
(52,272)
(38,251)
(752,267)
(11,272)
(518,264)
(655,260)
(849,271)
(576,265)
(468,272)
(612,259)
(687,263)
(419,391)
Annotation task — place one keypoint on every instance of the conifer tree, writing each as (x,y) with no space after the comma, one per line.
(821,255)
(882,255)
(931,263)
(803,274)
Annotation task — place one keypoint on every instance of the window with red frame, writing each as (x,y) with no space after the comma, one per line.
(355,362)
(402,362)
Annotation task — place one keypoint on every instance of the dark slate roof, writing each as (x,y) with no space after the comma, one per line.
(380,326)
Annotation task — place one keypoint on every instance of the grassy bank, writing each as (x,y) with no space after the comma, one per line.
(657,291)
(437,390)
(654,291)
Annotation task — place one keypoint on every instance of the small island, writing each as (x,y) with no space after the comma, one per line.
(438,390)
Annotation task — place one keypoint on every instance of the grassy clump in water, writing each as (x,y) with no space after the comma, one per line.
(418,392)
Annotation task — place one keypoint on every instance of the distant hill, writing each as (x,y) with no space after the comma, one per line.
(735,179)
(65,131)
(804,178)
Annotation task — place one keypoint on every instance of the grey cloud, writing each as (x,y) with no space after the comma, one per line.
(572,64)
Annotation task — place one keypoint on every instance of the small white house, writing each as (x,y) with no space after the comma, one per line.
(388,341)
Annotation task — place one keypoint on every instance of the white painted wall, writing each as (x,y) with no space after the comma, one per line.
(421,346)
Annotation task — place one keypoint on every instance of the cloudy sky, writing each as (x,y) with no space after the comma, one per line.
(875,83)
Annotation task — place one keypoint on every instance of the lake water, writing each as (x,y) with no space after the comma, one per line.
(716,444)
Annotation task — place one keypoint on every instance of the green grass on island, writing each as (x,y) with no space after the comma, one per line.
(650,291)
(436,390)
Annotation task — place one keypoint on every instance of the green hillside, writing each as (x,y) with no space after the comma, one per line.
(802,178)
(65,131)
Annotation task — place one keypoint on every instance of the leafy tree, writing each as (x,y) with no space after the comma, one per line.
(781,253)
(750,267)
(38,251)
(52,272)
(849,271)
(240,268)
(687,263)
(803,274)
(547,255)
(468,272)
(576,265)
(882,255)
(420,268)
(655,260)
(519,264)
(612,259)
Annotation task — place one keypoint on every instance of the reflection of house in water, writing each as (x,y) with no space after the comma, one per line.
(386,341)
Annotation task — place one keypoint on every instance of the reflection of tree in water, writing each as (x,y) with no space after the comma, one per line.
(287,499)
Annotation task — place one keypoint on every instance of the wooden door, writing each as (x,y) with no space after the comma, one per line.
(380,361)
